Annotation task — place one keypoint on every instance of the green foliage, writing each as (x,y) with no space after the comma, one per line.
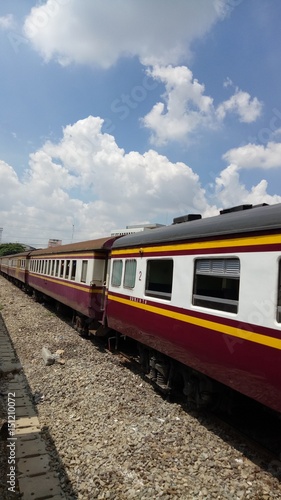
(11,248)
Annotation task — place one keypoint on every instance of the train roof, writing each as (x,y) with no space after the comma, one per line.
(257,218)
(10,255)
(99,244)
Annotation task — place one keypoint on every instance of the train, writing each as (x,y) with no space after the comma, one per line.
(200,298)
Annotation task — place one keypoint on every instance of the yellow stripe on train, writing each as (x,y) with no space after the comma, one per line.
(85,288)
(199,245)
(210,325)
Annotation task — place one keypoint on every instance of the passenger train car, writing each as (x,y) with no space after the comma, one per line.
(202,299)
(74,275)
(15,266)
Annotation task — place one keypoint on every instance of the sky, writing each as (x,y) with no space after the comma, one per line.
(122,112)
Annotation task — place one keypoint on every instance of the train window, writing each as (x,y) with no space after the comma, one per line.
(116,273)
(216,284)
(67,266)
(130,273)
(61,269)
(45,267)
(159,278)
(73,270)
(53,268)
(57,267)
(279,295)
(84,271)
(49,266)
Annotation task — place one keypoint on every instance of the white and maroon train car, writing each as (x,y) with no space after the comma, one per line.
(15,267)
(205,294)
(73,275)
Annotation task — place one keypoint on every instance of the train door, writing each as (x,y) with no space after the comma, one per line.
(98,284)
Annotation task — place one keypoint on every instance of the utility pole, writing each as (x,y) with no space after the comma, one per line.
(1,231)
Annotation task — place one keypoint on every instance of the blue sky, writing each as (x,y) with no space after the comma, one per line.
(117,112)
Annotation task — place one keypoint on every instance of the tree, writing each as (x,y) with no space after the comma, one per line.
(11,248)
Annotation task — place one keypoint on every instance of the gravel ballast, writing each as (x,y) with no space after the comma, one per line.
(109,434)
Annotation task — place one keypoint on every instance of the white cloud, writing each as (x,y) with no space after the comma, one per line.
(7,22)
(186,109)
(228,82)
(95,32)
(229,191)
(276,132)
(120,188)
(248,109)
(255,156)
(9,183)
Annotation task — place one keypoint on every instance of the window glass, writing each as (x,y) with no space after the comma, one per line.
(159,278)
(73,270)
(116,272)
(279,295)
(62,269)
(53,267)
(130,273)
(67,266)
(216,284)
(84,271)
(57,267)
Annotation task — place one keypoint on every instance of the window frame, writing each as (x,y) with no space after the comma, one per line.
(158,293)
(84,270)
(67,269)
(116,278)
(73,270)
(129,281)
(221,275)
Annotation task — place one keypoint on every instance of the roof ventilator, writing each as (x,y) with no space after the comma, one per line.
(239,208)
(186,218)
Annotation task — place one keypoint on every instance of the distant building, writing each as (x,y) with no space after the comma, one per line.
(134,229)
(54,243)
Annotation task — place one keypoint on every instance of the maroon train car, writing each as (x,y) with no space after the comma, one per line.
(74,275)
(15,267)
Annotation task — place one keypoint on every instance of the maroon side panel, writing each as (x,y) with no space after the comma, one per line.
(16,273)
(81,298)
(250,368)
